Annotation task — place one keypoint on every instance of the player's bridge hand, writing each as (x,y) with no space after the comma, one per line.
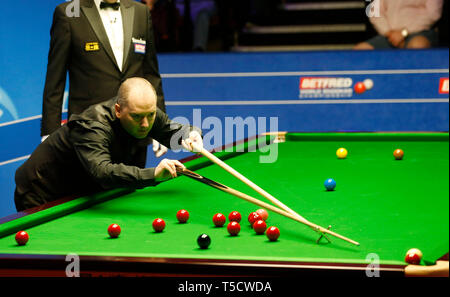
(167,169)
(194,143)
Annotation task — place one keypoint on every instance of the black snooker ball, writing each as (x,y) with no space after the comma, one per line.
(204,241)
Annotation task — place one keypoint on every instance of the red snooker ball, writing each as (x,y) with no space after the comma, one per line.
(22,237)
(182,216)
(273,233)
(263,213)
(233,228)
(159,225)
(360,88)
(260,227)
(219,220)
(114,230)
(398,154)
(234,216)
(253,217)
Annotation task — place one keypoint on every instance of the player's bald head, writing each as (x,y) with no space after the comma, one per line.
(136,90)
(136,106)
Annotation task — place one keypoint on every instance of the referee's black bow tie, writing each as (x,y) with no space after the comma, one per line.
(114,5)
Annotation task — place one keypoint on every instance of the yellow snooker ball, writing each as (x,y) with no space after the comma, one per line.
(342,153)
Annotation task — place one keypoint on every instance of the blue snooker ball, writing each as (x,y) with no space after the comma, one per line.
(330,184)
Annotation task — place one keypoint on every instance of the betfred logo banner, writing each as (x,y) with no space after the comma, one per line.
(326,87)
(332,87)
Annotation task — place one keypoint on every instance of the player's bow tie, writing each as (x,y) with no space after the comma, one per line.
(104,5)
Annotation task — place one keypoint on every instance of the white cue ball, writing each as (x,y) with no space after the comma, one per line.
(368,83)
(415,251)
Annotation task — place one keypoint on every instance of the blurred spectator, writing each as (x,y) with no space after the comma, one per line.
(233,15)
(404,24)
(165,24)
(262,11)
(197,15)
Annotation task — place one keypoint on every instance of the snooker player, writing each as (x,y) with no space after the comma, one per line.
(103,148)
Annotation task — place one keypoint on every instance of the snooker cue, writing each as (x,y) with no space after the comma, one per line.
(246,181)
(248,198)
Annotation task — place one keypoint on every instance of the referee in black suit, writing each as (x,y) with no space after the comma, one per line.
(110,41)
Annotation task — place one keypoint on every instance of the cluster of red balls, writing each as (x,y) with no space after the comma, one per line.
(257,220)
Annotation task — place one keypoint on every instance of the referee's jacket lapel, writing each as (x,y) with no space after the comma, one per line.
(91,13)
(127,10)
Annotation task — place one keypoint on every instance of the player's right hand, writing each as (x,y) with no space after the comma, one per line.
(167,169)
